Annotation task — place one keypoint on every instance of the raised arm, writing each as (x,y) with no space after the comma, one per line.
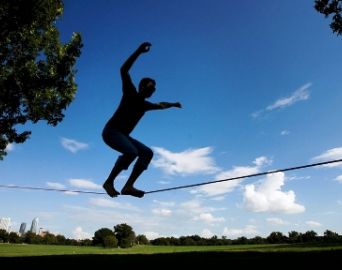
(143,48)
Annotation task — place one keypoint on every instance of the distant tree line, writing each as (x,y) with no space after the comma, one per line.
(273,238)
(123,236)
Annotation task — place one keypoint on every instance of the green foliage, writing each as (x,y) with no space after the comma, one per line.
(141,240)
(36,70)
(276,238)
(4,236)
(125,235)
(100,236)
(334,8)
(110,241)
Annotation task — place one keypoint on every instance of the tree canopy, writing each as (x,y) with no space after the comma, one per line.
(37,75)
(334,8)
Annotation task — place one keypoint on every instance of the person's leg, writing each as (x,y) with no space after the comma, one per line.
(120,143)
(145,155)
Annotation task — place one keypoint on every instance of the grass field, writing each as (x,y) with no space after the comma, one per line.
(261,255)
(16,250)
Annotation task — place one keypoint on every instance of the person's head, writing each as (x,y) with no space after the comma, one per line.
(147,86)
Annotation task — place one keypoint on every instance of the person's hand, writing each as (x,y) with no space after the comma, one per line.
(177,105)
(144,47)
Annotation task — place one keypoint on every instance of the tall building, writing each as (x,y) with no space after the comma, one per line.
(22,228)
(34,225)
(5,224)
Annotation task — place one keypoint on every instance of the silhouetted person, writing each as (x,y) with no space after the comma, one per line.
(116,132)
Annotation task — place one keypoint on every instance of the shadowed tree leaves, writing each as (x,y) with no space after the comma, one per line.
(105,237)
(37,75)
(125,235)
(334,8)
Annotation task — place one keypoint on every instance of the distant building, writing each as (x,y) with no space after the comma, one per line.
(5,224)
(22,228)
(34,225)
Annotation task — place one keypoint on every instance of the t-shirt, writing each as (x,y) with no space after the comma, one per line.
(131,109)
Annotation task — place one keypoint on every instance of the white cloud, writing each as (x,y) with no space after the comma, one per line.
(300,94)
(206,233)
(313,224)
(228,186)
(262,161)
(339,179)
(79,234)
(110,203)
(249,230)
(72,193)
(151,235)
(72,145)
(268,197)
(162,212)
(276,221)
(194,207)
(331,154)
(55,185)
(285,132)
(209,218)
(191,161)
(84,183)
(165,204)
(9,147)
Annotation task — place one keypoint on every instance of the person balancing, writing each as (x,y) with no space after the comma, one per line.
(117,130)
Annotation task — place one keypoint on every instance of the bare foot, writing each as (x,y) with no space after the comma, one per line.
(109,188)
(133,192)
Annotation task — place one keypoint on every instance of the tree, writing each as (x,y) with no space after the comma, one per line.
(101,235)
(4,236)
(13,237)
(36,70)
(334,8)
(125,235)
(276,238)
(110,241)
(294,237)
(330,236)
(141,239)
(309,236)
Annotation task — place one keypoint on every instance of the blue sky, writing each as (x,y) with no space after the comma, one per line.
(261,89)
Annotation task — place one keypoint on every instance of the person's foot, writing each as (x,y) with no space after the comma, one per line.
(111,191)
(133,192)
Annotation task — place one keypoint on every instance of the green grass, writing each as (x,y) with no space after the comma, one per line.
(18,250)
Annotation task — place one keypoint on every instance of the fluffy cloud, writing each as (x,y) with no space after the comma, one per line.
(276,221)
(249,230)
(339,179)
(162,212)
(313,224)
(79,234)
(84,183)
(331,154)
(55,185)
(191,161)
(229,186)
(268,196)
(209,218)
(206,233)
